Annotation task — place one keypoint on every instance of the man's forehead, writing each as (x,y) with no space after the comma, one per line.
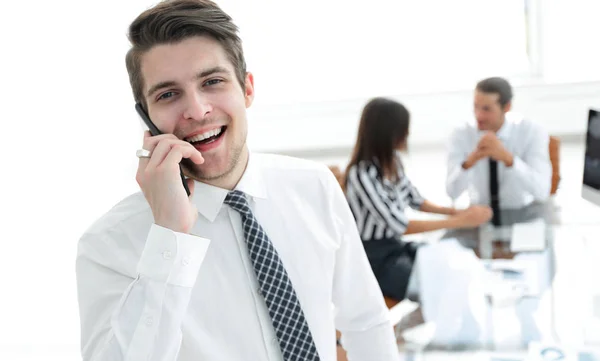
(487,97)
(185,58)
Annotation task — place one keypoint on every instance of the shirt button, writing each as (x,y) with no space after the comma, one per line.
(275,341)
(149,321)
(166,255)
(186,261)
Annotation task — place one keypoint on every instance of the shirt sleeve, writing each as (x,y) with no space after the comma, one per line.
(365,187)
(135,317)
(361,314)
(457,178)
(533,170)
(415,199)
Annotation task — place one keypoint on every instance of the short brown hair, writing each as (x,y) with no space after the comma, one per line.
(497,85)
(172,21)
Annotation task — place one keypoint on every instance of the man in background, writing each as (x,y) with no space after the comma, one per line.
(501,160)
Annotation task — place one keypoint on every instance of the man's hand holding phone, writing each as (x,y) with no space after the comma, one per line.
(160,180)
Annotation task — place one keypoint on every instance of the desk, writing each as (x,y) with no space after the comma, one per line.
(499,237)
(450,283)
(456,292)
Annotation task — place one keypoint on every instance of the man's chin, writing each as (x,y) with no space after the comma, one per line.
(204,173)
(213,168)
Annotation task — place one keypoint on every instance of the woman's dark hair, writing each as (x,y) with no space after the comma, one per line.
(383,128)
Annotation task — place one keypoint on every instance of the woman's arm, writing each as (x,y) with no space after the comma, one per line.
(429,207)
(420,226)
(470,217)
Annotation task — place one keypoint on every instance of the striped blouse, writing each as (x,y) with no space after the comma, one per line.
(378,204)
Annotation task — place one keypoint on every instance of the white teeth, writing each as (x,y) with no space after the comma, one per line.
(199,137)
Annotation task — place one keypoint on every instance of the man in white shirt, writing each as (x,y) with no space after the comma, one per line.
(502,160)
(262,261)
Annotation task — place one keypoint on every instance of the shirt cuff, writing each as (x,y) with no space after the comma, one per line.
(172,257)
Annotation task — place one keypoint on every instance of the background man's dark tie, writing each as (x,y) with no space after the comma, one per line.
(494,198)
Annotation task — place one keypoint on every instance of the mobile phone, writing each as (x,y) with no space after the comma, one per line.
(155,131)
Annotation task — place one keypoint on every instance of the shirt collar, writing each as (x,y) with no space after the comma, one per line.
(504,132)
(209,199)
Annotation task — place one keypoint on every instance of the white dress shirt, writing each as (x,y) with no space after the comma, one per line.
(529,178)
(148,293)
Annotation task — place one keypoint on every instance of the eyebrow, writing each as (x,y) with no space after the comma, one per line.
(211,71)
(171,83)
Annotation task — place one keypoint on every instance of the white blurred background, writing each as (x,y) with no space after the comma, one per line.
(70,131)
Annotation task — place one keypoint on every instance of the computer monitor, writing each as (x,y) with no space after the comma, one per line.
(591,169)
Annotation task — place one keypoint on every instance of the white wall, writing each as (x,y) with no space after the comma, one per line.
(570,34)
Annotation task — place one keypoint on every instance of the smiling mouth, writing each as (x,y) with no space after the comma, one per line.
(207,137)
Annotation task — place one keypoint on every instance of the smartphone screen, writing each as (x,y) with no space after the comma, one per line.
(155,131)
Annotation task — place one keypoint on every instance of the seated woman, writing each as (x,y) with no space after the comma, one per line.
(378,192)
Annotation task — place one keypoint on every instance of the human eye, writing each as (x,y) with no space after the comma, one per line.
(166,95)
(212,82)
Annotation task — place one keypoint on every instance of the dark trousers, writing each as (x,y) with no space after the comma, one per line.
(392,262)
